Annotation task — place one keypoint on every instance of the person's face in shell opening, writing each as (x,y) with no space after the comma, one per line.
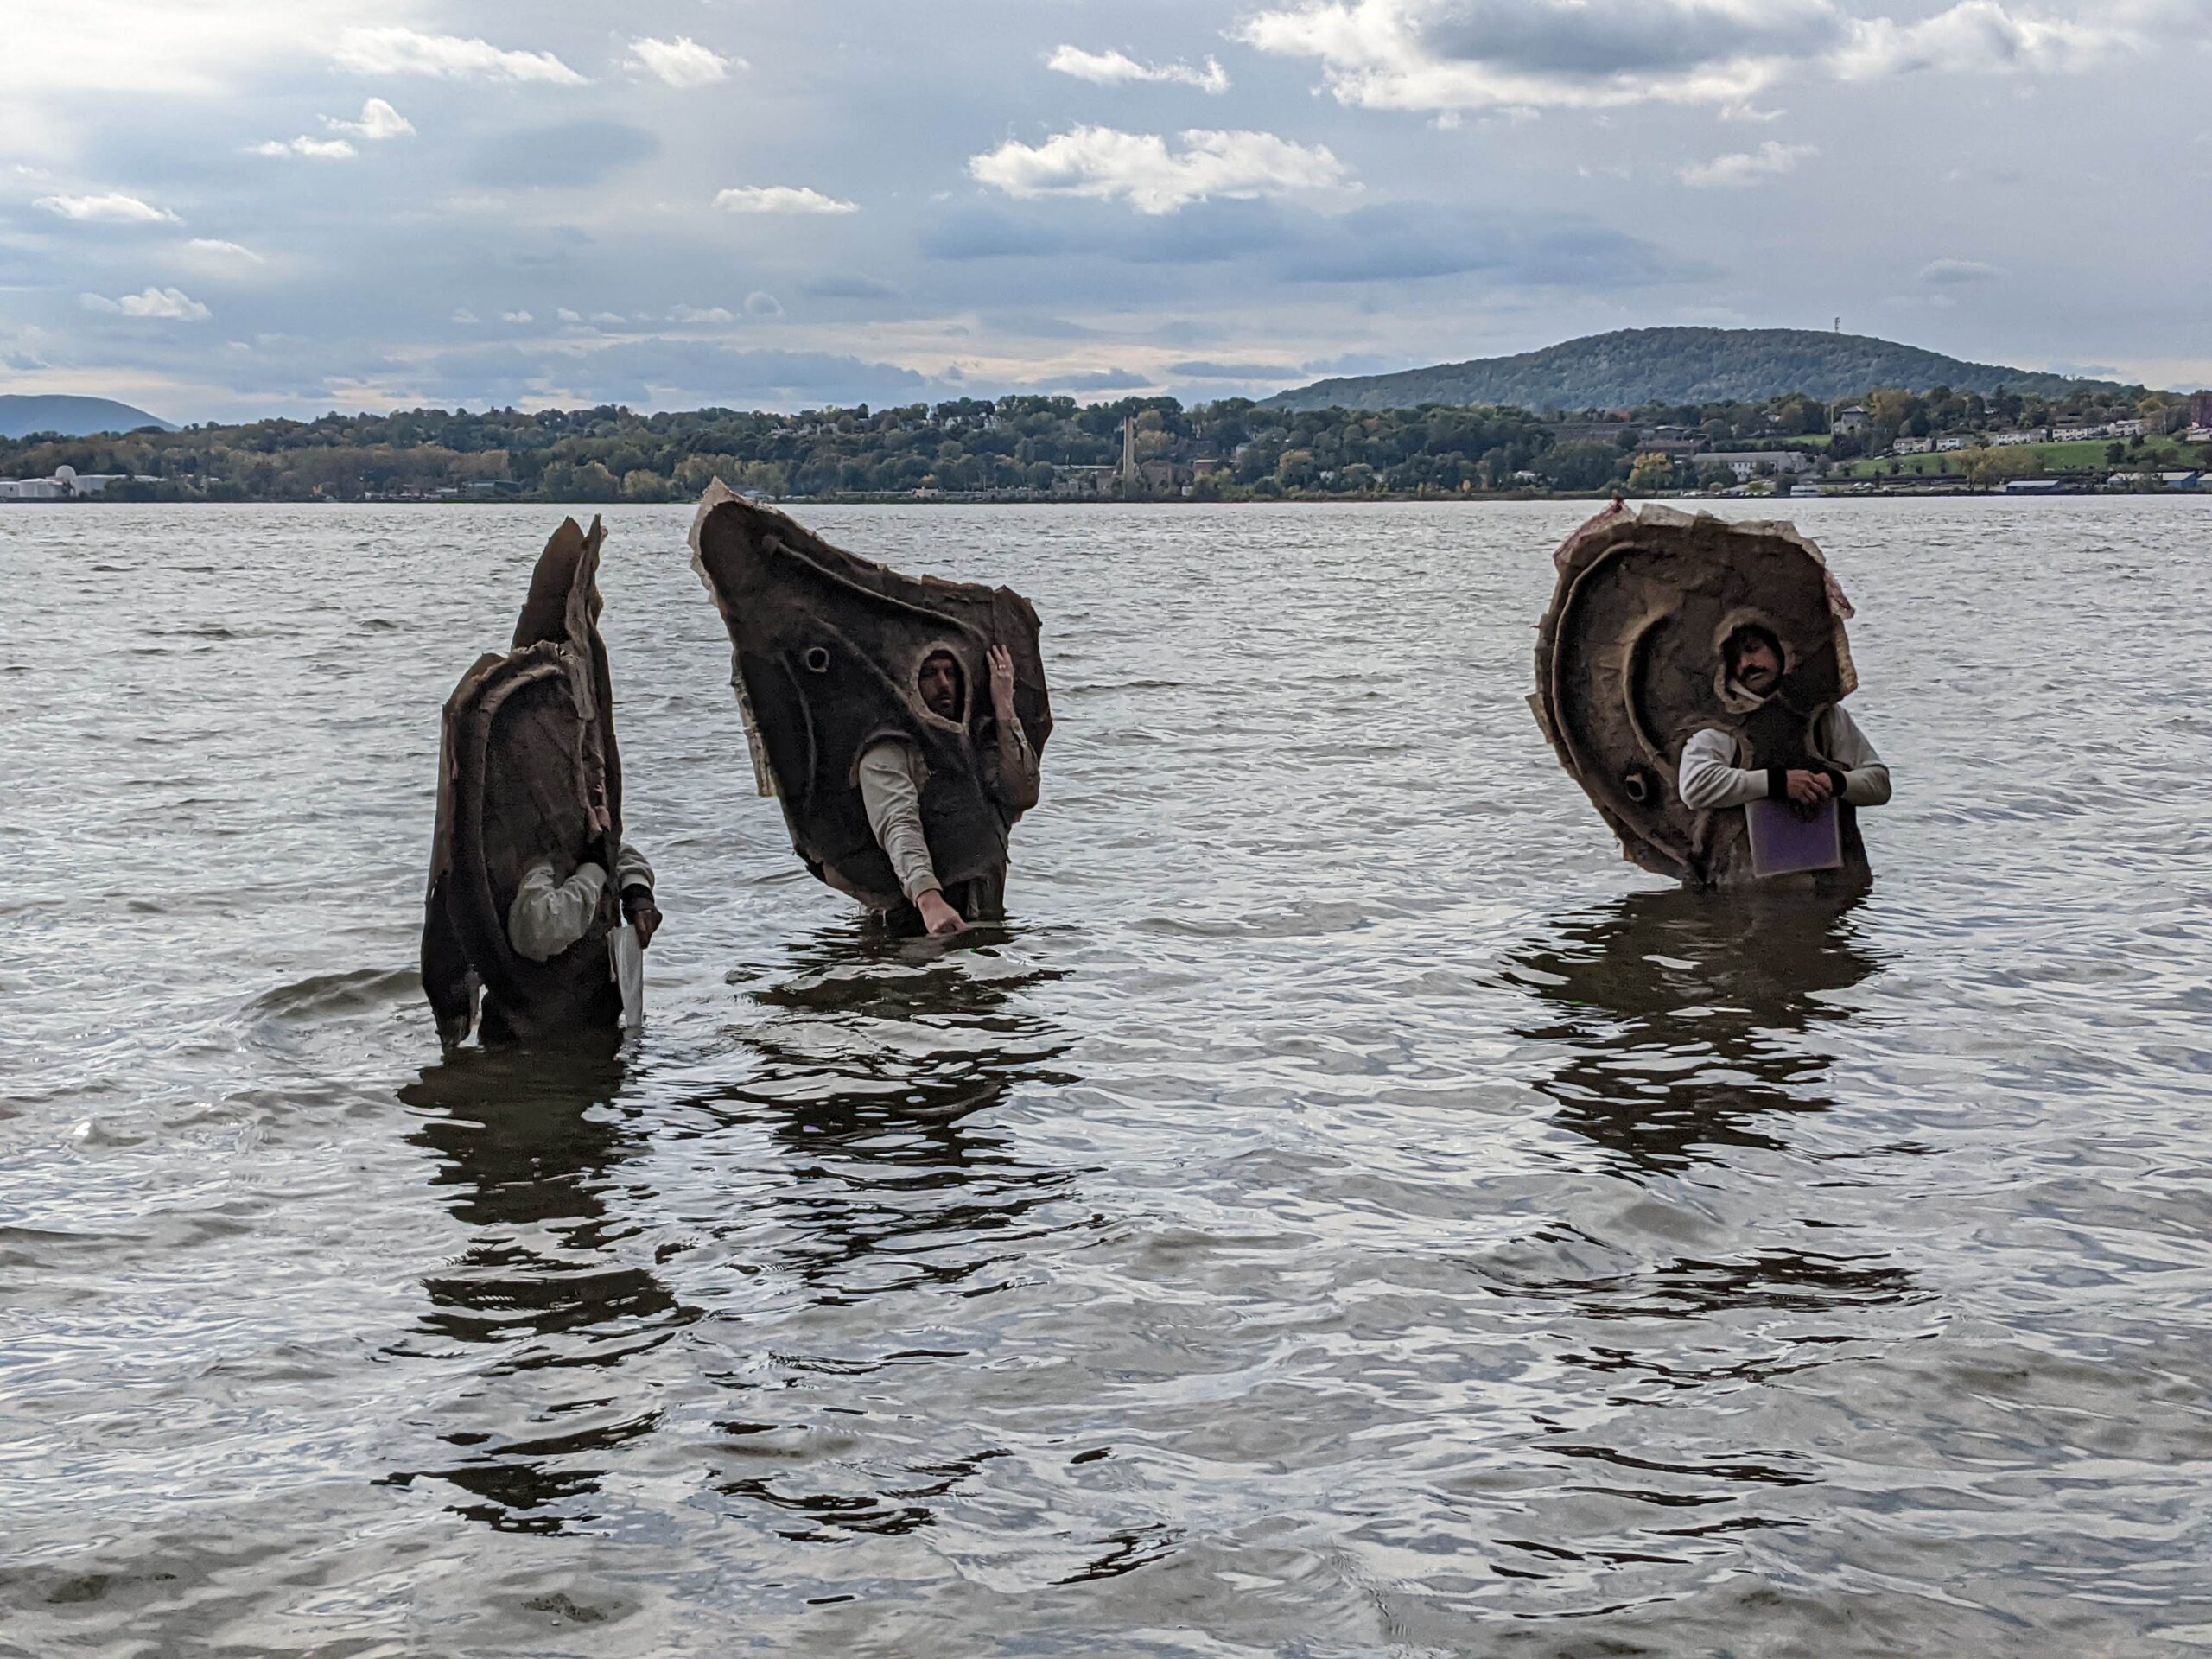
(940,684)
(1754,661)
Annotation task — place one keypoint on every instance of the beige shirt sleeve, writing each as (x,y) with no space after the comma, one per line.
(548,917)
(1016,780)
(1710,779)
(891,774)
(1866,779)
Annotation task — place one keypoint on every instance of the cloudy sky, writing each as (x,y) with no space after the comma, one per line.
(227,208)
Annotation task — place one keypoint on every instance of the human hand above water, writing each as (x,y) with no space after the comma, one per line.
(940,917)
(1809,788)
(1001,662)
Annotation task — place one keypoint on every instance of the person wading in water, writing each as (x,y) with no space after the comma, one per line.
(1852,773)
(894,786)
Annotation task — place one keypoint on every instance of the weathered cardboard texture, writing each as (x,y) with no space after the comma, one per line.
(1629,668)
(828,650)
(529,768)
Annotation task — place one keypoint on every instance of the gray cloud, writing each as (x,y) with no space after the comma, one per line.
(567,153)
(1099,380)
(1593,42)
(1467,55)
(1199,369)
(1401,242)
(846,286)
(657,373)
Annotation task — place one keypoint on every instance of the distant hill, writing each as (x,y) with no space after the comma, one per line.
(73,417)
(1678,365)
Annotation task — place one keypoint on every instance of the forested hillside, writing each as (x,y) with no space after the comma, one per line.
(1032,448)
(24,413)
(1635,366)
(1013,445)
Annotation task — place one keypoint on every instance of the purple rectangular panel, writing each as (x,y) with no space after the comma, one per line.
(1783,843)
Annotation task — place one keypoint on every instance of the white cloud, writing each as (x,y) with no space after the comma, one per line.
(781,199)
(681,62)
(699,313)
(1104,164)
(319,150)
(201,50)
(396,51)
(516,316)
(1770,161)
(112,208)
(567,315)
(1949,273)
(1111,68)
(221,261)
(758,304)
(379,122)
(462,314)
(1430,55)
(171,304)
(1978,34)
(605,319)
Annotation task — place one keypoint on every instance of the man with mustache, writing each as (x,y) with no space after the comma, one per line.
(1847,768)
(893,783)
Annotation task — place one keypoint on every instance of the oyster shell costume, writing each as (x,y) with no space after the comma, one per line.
(1629,668)
(529,769)
(827,649)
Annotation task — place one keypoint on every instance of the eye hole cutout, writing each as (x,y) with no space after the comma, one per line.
(816,658)
(1637,787)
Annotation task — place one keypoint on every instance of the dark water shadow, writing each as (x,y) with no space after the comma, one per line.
(878,1054)
(1689,1018)
(874,1070)
(1690,1027)
(530,1146)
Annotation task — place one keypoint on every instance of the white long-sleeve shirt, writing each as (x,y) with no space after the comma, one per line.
(548,917)
(1710,779)
(891,774)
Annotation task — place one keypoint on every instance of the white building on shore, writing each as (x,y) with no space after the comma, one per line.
(68,484)
(1756,463)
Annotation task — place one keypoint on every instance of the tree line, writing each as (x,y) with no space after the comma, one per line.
(1015,446)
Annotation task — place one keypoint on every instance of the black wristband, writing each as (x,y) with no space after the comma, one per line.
(636,897)
(1777,783)
(1836,781)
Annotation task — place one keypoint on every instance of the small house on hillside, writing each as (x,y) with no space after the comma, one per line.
(1850,420)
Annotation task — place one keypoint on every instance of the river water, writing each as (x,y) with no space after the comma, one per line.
(1349,1211)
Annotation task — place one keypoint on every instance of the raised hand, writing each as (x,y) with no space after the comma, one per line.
(1001,662)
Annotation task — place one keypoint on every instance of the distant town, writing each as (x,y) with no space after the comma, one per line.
(1053,449)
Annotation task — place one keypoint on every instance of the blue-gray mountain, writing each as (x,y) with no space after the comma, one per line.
(1634,366)
(22,414)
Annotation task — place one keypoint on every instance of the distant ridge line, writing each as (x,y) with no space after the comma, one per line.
(22,414)
(1630,367)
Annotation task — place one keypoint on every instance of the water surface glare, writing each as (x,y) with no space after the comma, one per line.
(1348,1210)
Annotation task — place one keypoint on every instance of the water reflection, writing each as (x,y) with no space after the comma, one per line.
(531,1144)
(872,1071)
(879,1055)
(1685,1016)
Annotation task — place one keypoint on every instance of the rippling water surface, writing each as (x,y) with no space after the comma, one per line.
(1348,1210)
